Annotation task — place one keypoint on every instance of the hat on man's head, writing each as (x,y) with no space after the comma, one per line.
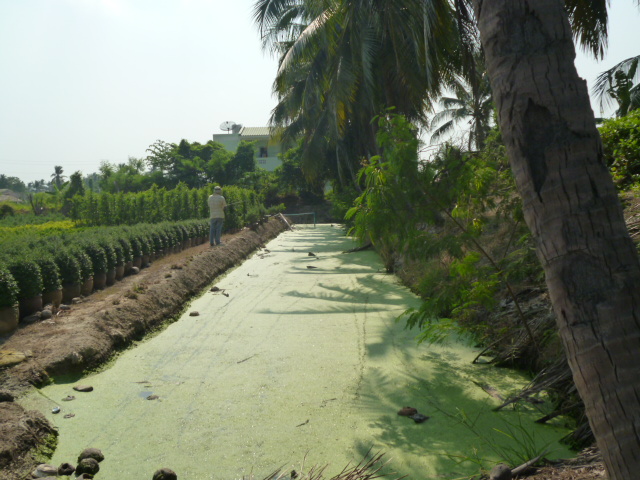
(217,189)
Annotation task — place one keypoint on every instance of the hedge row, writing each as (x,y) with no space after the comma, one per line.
(35,264)
(158,205)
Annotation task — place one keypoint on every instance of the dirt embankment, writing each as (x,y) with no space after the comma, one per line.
(88,335)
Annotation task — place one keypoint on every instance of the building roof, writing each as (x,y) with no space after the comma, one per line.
(255,132)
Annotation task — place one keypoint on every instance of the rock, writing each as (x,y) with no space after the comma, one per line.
(419,418)
(75,358)
(84,476)
(45,470)
(91,453)
(64,307)
(165,474)
(83,388)
(66,469)
(29,319)
(194,314)
(76,300)
(407,411)
(88,465)
(46,314)
(135,270)
(500,472)
(11,357)
(6,397)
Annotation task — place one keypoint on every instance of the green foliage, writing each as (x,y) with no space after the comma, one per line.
(69,267)
(6,211)
(27,275)
(8,288)
(621,148)
(439,212)
(97,255)
(49,270)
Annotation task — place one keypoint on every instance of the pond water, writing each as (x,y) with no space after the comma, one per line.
(295,365)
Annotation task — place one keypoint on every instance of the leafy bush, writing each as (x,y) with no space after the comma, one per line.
(97,255)
(50,272)
(84,262)
(68,266)
(27,274)
(8,288)
(621,148)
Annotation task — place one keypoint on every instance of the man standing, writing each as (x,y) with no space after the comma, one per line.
(217,204)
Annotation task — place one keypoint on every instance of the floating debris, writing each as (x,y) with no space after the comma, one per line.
(225,294)
(407,411)
(55,410)
(311,254)
(153,397)
(214,289)
(311,266)
(419,418)
(68,398)
(69,415)
(194,314)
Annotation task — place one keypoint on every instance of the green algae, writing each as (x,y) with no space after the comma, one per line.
(296,364)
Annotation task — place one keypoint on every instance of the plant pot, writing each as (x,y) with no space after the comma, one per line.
(137,261)
(99,280)
(127,267)
(145,260)
(119,272)
(54,298)
(111,276)
(9,319)
(186,244)
(70,291)
(87,287)
(30,305)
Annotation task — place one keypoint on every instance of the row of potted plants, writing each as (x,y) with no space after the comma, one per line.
(37,270)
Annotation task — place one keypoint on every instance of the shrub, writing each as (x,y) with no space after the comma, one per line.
(8,288)
(50,272)
(28,277)
(68,266)
(127,249)
(84,262)
(98,257)
(621,148)
(107,245)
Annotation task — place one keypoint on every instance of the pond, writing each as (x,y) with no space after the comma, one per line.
(297,358)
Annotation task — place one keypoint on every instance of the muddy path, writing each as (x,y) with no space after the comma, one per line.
(106,322)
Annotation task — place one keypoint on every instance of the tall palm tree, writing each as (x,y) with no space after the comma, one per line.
(570,205)
(472,102)
(343,62)
(622,84)
(57,178)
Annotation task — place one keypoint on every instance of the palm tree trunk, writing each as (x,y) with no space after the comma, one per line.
(571,206)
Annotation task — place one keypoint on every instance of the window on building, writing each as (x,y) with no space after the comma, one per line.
(263,152)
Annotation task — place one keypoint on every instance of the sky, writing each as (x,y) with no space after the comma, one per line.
(87,81)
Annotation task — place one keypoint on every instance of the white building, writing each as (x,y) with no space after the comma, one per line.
(267,147)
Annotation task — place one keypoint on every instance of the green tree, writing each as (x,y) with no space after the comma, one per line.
(617,84)
(57,178)
(571,206)
(243,162)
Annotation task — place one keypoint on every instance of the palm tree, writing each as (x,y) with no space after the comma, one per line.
(56,177)
(617,84)
(472,101)
(571,206)
(341,63)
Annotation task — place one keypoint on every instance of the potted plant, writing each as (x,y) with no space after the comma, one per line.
(99,263)
(8,301)
(70,276)
(27,274)
(51,284)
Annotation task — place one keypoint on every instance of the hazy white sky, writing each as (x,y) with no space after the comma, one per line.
(90,80)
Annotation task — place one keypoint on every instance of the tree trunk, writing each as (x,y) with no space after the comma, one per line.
(572,209)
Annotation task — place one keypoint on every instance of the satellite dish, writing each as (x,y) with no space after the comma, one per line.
(227,126)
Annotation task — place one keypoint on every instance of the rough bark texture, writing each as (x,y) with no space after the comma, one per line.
(572,209)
